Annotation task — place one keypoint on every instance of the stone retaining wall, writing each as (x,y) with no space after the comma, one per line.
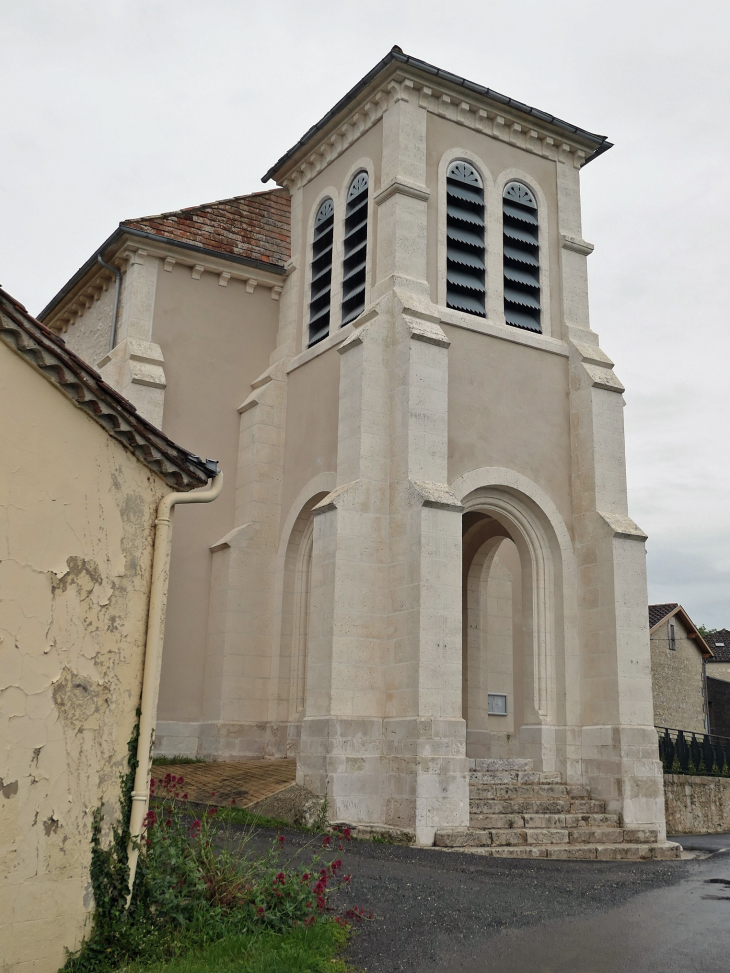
(697,805)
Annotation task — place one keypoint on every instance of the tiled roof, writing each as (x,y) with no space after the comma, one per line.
(257,226)
(87,390)
(720,652)
(658,612)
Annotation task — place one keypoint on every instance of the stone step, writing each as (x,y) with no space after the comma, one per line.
(507,791)
(500,763)
(570,821)
(666,850)
(513,777)
(534,806)
(510,837)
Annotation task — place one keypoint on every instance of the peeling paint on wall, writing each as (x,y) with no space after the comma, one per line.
(76,533)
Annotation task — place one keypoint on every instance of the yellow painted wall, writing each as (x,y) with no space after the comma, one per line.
(77,517)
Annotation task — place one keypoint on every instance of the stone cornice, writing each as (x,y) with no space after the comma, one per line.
(623,526)
(439,97)
(404,189)
(89,289)
(578,246)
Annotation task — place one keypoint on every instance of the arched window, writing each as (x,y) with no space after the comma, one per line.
(356,249)
(320,294)
(465,267)
(521,258)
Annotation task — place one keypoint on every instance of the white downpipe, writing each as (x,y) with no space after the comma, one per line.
(153,658)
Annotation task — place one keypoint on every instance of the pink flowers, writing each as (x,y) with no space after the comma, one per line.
(150,819)
(358,913)
(326,841)
(282,839)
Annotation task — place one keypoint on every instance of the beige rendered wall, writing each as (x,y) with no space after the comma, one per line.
(216,341)
(76,537)
(677,680)
(508,407)
(311,424)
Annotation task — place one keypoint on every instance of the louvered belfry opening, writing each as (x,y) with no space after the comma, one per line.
(521,258)
(356,249)
(465,268)
(321,290)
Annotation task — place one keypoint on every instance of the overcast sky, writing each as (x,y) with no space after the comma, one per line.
(120,109)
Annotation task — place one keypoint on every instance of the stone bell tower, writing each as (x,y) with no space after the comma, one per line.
(385,446)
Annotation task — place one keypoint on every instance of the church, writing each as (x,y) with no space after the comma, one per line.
(421,567)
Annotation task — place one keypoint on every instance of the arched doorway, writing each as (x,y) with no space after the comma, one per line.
(499,506)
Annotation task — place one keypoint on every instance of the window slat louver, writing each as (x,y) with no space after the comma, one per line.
(521,258)
(465,251)
(321,284)
(522,275)
(354,268)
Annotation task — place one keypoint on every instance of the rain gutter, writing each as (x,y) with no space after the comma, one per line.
(153,656)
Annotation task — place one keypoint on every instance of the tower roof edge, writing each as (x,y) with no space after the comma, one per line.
(599,143)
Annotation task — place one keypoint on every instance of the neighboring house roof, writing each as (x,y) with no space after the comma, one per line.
(599,143)
(257,226)
(78,381)
(719,643)
(658,614)
(254,230)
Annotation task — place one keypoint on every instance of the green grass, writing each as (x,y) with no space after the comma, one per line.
(312,950)
(167,761)
(240,816)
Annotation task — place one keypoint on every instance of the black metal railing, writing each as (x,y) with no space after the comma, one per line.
(697,754)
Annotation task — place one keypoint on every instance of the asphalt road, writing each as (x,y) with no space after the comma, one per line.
(441,912)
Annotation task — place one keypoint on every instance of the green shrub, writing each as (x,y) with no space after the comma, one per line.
(190,890)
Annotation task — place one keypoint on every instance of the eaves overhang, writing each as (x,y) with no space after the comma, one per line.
(117,241)
(79,382)
(596,144)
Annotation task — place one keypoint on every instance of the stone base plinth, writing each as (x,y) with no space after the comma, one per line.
(226,741)
(622,767)
(407,773)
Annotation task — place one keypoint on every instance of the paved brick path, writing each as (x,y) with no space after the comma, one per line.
(246,782)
